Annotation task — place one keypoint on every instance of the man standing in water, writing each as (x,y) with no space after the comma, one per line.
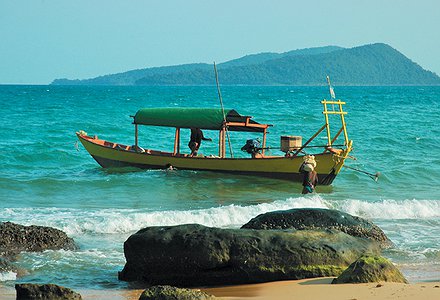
(196,140)
(310,177)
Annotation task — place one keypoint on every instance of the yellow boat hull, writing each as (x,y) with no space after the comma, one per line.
(109,154)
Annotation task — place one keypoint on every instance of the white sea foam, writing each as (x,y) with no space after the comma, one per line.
(392,209)
(7,276)
(109,221)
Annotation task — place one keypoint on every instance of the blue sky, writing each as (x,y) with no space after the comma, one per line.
(41,40)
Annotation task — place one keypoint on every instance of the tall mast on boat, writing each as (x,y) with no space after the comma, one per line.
(223,109)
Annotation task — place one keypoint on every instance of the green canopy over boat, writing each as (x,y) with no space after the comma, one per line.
(204,118)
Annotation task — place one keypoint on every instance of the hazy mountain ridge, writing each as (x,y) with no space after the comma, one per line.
(253,59)
(375,64)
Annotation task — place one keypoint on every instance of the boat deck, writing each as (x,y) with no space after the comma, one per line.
(139,150)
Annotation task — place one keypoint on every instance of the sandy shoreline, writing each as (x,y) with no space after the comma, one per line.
(320,288)
(316,289)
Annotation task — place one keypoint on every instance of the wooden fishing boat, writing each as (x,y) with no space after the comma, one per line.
(329,157)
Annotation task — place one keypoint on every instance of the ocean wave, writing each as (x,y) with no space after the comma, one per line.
(109,221)
(392,209)
(114,221)
(8,276)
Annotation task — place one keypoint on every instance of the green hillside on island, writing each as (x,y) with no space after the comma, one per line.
(375,64)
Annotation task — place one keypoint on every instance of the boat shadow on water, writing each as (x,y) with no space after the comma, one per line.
(208,184)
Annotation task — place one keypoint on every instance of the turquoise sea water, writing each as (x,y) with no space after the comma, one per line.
(46,180)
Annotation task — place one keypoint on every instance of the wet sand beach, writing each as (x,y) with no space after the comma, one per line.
(317,289)
(321,288)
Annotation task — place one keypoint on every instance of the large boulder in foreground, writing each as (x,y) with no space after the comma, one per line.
(166,292)
(371,269)
(29,291)
(15,238)
(195,255)
(319,218)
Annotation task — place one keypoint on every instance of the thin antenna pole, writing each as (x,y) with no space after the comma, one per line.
(223,109)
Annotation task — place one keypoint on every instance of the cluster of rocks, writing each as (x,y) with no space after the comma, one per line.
(281,245)
(292,244)
(15,238)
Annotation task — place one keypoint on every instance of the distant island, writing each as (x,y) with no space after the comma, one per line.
(374,64)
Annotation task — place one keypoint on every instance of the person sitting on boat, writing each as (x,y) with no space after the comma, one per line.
(253,147)
(196,140)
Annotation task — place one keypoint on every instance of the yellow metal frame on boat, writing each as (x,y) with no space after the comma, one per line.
(339,112)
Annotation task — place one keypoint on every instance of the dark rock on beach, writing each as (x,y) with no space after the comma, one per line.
(166,292)
(28,291)
(371,269)
(317,218)
(195,255)
(15,238)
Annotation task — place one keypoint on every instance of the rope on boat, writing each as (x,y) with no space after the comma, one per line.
(223,109)
(375,177)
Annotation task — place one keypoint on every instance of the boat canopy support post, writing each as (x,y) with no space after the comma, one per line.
(136,134)
(220,143)
(223,142)
(264,140)
(177,142)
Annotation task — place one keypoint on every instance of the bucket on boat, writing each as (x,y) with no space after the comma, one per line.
(290,142)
